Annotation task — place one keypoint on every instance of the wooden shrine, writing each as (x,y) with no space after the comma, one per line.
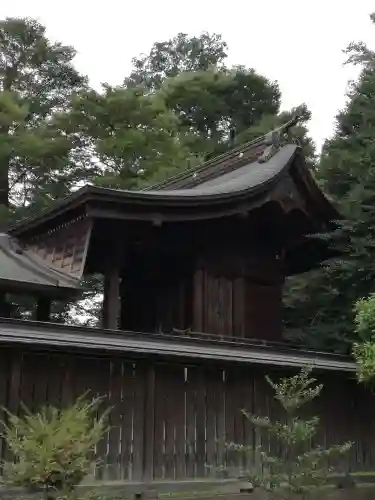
(206,251)
(193,274)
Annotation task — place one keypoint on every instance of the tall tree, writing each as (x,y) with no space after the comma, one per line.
(132,133)
(322,304)
(171,57)
(37,78)
(215,105)
(213,102)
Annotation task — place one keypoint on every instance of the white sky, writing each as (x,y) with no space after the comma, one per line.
(298,43)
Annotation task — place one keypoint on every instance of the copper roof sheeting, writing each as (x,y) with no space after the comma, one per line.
(52,336)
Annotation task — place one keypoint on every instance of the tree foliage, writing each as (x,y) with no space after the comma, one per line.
(320,304)
(364,347)
(37,78)
(300,467)
(133,135)
(53,448)
(213,102)
(214,106)
(178,55)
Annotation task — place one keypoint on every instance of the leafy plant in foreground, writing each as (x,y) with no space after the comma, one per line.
(299,468)
(53,448)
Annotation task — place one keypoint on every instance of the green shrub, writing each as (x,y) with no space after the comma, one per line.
(53,449)
(299,468)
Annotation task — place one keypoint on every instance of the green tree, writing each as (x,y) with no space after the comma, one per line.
(133,135)
(37,78)
(214,106)
(171,57)
(301,467)
(213,102)
(320,305)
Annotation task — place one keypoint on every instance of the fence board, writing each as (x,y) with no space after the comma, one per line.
(139,419)
(127,407)
(114,436)
(149,429)
(190,397)
(4,384)
(171,421)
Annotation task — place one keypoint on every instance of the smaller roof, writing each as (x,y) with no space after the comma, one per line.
(22,270)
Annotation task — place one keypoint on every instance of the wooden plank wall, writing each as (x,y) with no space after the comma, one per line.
(234,306)
(172,421)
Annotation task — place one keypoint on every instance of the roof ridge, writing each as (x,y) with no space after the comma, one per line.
(264,139)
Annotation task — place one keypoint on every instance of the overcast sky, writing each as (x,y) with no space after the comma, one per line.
(297,43)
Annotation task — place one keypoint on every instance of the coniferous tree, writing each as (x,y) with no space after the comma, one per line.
(320,305)
(37,78)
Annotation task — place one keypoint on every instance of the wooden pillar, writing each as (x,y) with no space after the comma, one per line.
(5,308)
(43,309)
(123,303)
(198,300)
(111,301)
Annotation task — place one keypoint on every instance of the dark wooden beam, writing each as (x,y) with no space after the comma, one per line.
(43,309)
(4,306)
(123,303)
(111,300)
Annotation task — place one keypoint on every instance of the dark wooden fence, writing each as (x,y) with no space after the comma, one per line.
(171,421)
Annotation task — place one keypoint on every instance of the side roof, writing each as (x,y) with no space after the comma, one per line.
(244,175)
(23,270)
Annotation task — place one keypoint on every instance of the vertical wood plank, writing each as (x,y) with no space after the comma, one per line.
(200,388)
(228,307)
(212,376)
(43,309)
(55,365)
(238,307)
(230,409)
(4,384)
(178,407)
(111,300)
(239,434)
(13,403)
(27,381)
(138,426)
(97,381)
(149,423)
(113,459)
(170,375)
(220,419)
(68,383)
(38,362)
(159,443)
(191,447)
(15,382)
(248,400)
(198,301)
(127,412)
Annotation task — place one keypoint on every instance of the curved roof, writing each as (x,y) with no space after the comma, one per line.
(235,181)
(22,269)
(249,178)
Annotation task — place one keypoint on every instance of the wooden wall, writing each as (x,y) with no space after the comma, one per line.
(239,294)
(171,420)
